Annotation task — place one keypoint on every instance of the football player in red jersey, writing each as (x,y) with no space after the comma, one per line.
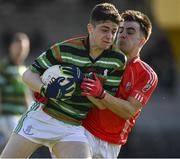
(109,123)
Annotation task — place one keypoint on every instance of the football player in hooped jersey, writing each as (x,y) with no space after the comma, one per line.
(109,126)
(56,122)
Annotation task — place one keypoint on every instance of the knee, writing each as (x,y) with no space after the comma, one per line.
(71,150)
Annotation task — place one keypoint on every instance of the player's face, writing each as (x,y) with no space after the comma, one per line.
(19,50)
(102,35)
(129,36)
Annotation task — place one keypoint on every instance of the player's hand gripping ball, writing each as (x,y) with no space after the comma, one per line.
(60,81)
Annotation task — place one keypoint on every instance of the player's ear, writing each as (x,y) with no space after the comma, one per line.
(90,28)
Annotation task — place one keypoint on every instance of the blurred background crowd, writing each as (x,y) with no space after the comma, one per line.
(45,22)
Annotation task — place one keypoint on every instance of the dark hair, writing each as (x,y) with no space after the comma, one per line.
(142,19)
(103,12)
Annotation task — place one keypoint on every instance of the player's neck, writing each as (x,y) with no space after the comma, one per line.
(130,58)
(131,55)
(95,52)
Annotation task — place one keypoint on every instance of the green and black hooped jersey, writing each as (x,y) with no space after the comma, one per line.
(12,89)
(109,67)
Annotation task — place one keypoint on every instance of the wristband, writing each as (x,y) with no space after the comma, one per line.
(102,95)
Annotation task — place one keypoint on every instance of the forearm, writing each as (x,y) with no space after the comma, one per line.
(32,80)
(123,108)
(96,102)
(120,107)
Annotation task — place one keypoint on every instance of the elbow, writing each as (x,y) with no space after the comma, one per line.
(129,111)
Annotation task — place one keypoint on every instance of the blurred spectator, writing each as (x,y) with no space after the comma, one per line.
(14,95)
(163,62)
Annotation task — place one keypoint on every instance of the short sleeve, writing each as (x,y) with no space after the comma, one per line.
(47,59)
(144,86)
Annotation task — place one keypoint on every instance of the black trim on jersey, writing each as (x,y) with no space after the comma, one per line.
(79,99)
(38,67)
(97,58)
(63,112)
(82,107)
(104,53)
(114,54)
(76,51)
(51,58)
(118,72)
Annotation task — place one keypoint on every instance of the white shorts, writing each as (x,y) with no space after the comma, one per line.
(41,128)
(100,148)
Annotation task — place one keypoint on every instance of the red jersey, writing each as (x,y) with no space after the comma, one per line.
(139,81)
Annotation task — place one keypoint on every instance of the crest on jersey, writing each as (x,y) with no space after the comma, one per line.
(128,86)
(105,72)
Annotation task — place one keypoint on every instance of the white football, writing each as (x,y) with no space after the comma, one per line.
(54,72)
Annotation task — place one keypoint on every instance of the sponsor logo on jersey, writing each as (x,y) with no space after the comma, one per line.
(146,88)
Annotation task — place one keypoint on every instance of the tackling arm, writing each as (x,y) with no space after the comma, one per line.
(95,92)
(124,108)
(96,102)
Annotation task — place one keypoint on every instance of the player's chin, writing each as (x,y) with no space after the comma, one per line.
(124,49)
(106,46)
